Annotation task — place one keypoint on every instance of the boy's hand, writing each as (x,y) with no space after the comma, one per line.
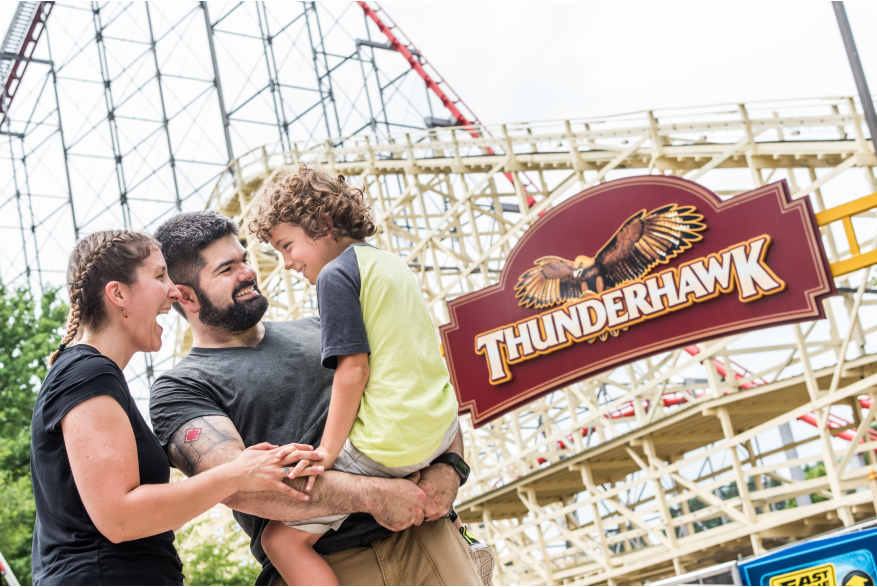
(304,466)
(288,449)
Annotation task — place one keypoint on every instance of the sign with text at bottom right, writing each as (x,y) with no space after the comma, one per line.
(847,559)
(625,270)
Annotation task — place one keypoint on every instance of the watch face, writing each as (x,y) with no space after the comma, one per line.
(463,468)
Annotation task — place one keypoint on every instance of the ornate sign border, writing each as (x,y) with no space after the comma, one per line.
(779,190)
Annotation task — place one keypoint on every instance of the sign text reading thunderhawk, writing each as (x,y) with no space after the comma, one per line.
(637,267)
(741,267)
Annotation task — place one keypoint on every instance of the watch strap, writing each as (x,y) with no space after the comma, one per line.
(455,461)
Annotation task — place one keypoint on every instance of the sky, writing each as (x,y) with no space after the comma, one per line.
(523,61)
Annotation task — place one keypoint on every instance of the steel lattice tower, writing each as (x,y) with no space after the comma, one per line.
(130,112)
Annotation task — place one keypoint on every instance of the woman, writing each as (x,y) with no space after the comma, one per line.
(105,509)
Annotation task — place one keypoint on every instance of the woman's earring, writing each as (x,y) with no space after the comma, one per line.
(124,313)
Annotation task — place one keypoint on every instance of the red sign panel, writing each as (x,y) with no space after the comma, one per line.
(625,270)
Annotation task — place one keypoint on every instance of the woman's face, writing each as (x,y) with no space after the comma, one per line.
(151,295)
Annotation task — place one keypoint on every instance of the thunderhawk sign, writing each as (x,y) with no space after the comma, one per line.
(656,263)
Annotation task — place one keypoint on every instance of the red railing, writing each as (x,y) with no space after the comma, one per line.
(25,54)
(433,80)
(627,410)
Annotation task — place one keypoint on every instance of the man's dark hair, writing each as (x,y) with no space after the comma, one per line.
(183,238)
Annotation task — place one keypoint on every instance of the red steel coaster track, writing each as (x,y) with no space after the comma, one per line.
(739,372)
(433,80)
(19,44)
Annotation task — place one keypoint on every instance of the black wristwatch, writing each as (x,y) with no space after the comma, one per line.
(457,462)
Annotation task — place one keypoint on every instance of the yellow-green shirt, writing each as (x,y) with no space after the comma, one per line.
(370,302)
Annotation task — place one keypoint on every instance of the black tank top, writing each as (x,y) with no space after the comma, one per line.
(67,547)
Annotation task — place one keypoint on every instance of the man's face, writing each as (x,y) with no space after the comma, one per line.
(227,292)
(301,253)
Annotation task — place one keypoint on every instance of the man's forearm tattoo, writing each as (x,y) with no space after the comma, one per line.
(196,439)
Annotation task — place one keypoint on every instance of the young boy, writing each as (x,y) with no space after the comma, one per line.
(392,410)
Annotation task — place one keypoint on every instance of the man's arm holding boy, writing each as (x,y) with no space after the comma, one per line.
(395,503)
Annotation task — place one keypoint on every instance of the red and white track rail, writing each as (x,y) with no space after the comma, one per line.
(462,114)
(626,410)
(18,47)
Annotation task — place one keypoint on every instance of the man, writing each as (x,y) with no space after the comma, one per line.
(245,381)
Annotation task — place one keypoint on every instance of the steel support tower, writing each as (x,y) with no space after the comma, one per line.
(129,112)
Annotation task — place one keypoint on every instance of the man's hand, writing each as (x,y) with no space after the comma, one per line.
(397,504)
(440,483)
(429,495)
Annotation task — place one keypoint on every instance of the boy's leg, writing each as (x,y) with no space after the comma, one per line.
(482,555)
(292,553)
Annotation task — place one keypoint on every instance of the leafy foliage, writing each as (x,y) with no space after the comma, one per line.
(725,493)
(217,559)
(812,472)
(28,335)
(770,482)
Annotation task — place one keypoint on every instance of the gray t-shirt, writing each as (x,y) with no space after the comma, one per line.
(276,392)
(338,288)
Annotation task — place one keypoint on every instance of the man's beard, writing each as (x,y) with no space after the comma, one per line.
(235,317)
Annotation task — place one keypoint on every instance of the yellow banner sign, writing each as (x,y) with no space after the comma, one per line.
(821,575)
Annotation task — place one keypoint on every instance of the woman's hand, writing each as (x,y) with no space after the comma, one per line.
(257,468)
(304,468)
(102,450)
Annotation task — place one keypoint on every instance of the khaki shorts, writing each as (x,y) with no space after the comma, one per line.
(352,460)
(430,554)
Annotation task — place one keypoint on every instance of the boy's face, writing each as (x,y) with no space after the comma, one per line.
(301,253)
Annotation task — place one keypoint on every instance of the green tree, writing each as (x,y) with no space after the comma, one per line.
(29,331)
(218,559)
(812,472)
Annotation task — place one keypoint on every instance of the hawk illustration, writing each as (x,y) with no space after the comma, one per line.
(643,241)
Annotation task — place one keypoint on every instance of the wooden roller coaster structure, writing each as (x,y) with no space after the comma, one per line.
(668,464)
(662,466)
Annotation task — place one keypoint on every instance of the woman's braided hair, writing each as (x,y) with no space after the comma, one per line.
(109,255)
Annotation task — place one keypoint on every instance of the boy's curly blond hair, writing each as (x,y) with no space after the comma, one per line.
(305,197)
